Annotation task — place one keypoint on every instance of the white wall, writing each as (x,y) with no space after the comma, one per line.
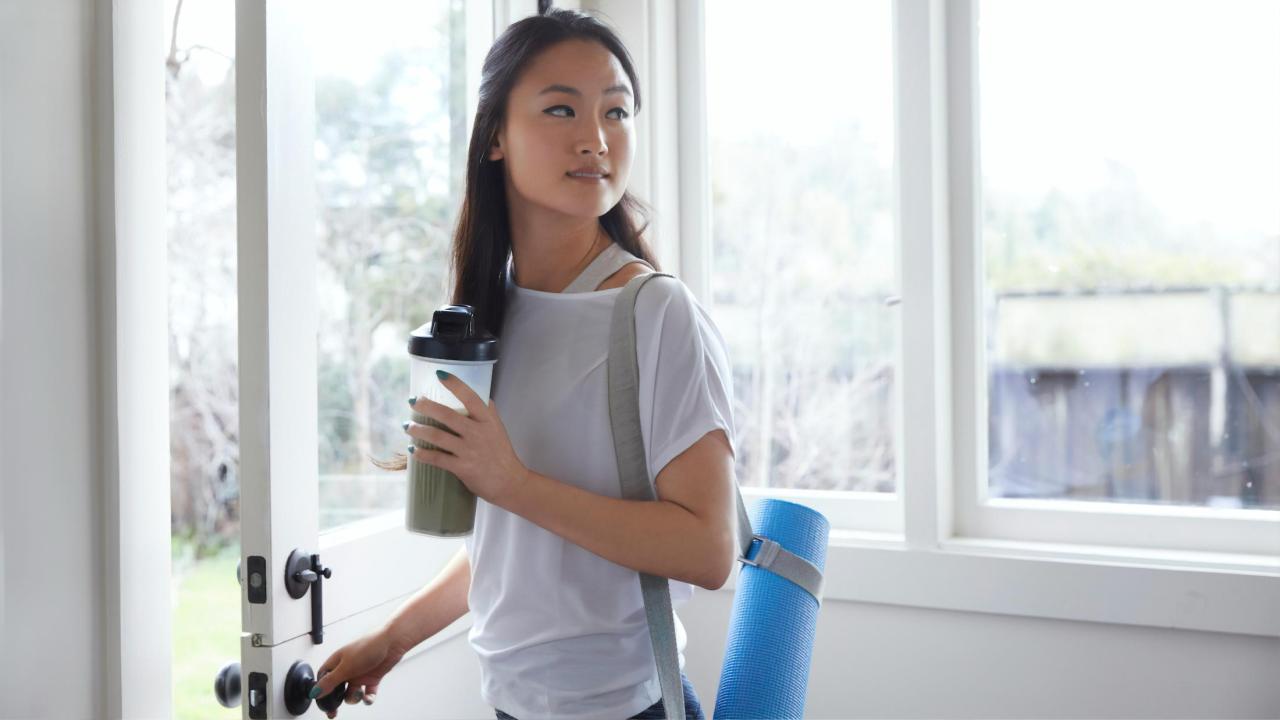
(898,662)
(870,660)
(883,661)
(49,665)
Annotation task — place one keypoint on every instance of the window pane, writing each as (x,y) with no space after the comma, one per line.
(804,254)
(391,133)
(1131,231)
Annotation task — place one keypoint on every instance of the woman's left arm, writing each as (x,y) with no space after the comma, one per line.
(688,534)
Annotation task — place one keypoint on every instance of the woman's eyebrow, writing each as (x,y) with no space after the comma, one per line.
(574,91)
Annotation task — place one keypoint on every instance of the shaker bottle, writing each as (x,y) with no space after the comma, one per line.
(438,503)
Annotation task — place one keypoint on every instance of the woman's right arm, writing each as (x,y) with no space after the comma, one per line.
(434,607)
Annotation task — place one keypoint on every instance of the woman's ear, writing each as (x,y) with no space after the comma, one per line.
(495,152)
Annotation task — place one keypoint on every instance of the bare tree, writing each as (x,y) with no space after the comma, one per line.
(201,230)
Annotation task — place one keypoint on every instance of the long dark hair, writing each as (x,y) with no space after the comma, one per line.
(482,236)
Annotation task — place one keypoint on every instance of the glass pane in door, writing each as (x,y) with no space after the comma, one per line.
(392,127)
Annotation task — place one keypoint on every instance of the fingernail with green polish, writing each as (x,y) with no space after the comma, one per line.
(412,399)
(315,692)
(442,374)
(405,425)
(412,448)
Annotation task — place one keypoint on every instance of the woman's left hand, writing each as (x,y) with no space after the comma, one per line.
(480,454)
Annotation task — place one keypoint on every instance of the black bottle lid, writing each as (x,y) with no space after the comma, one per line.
(453,334)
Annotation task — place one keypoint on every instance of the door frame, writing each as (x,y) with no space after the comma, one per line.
(131,447)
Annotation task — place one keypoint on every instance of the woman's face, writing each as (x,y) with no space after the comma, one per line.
(570,108)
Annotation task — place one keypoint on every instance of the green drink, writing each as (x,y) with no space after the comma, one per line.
(438,503)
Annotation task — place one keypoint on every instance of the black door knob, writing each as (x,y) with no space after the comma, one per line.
(227,685)
(297,688)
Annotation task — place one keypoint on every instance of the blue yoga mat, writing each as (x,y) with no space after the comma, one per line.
(771,630)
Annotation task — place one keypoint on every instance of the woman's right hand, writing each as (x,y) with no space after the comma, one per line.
(361,663)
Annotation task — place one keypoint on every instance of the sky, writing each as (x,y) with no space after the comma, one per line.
(1185,92)
(826,65)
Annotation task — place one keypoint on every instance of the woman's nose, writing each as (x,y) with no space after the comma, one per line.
(594,141)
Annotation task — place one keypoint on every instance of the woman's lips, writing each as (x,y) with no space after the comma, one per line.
(587,178)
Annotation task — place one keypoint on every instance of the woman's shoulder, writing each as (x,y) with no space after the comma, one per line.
(667,308)
(658,293)
(665,294)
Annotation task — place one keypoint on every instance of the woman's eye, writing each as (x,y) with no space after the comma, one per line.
(623,114)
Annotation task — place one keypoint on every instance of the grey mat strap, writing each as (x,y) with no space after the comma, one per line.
(773,557)
(633,471)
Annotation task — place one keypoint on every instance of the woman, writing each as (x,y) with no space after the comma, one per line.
(550,573)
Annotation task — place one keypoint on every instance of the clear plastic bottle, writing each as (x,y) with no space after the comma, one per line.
(438,503)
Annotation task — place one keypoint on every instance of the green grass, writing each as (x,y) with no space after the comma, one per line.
(206,629)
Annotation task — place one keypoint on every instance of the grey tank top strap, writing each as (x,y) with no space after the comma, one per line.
(605,264)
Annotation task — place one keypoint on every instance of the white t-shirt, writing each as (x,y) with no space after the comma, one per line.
(560,632)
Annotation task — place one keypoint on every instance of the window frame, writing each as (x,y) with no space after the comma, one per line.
(1182,528)
(1189,567)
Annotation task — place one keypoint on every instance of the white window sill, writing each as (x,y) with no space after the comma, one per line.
(1184,590)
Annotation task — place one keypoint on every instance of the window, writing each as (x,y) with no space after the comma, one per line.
(1131,250)
(800,121)
(392,123)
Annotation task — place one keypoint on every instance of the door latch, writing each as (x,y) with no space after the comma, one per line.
(303,571)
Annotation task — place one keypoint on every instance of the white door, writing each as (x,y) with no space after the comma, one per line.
(349,117)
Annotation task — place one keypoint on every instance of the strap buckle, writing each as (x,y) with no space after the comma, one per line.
(768,550)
